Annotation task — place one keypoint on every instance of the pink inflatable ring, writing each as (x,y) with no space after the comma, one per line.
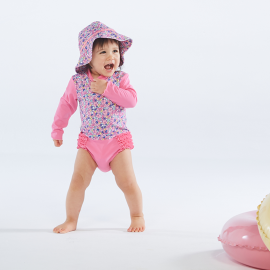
(241,239)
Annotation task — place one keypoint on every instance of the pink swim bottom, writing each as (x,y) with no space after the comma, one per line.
(104,151)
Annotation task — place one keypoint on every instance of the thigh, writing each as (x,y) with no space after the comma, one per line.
(84,164)
(122,167)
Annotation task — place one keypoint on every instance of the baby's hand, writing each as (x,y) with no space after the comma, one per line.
(98,86)
(58,143)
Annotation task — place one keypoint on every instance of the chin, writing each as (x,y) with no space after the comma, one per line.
(108,74)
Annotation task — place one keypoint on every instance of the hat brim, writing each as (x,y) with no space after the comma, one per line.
(86,51)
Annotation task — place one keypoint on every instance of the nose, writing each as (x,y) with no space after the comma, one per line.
(110,56)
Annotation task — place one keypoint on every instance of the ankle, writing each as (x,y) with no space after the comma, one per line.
(71,220)
(137,216)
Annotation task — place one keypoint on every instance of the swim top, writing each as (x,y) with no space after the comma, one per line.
(103,116)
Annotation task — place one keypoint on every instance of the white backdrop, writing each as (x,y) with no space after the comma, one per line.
(200,68)
(200,128)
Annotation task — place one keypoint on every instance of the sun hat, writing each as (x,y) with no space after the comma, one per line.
(87,37)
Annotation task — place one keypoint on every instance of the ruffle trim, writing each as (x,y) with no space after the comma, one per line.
(125,141)
(243,246)
(82,140)
(262,233)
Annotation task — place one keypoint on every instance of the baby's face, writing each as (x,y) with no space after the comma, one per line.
(105,60)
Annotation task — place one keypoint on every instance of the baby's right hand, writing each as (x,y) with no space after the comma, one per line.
(58,143)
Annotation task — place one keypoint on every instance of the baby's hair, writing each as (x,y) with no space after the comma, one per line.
(100,43)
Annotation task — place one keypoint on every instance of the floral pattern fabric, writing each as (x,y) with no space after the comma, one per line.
(87,37)
(101,118)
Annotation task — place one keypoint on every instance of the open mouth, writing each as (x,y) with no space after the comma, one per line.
(109,67)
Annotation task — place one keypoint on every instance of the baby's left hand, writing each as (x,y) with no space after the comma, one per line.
(98,86)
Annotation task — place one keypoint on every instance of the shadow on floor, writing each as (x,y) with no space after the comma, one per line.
(50,230)
(210,260)
(101,229)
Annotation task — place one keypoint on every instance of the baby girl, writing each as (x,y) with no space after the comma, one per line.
(103,92)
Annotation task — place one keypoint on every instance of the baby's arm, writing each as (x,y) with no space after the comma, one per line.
(124,95)
(67,106)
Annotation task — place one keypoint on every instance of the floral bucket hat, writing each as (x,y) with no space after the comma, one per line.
(87,37)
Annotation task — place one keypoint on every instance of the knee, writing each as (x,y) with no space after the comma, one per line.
(80,180)
(127,184)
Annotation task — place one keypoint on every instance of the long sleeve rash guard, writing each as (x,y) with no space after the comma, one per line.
(124,96)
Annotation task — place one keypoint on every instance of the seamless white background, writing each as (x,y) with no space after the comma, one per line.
(200,128)
(200,69)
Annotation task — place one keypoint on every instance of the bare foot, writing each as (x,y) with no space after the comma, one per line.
(67,226)
(137,224)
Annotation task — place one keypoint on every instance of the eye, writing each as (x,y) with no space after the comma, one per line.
(102,52)
(115,50)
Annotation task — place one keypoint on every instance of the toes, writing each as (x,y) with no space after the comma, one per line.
(135,229)
(58,230)
(55,230)
(63,230)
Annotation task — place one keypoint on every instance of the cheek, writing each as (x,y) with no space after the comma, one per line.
(118,60)
(99,63)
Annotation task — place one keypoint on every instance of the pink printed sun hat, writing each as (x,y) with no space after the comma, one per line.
(87,37)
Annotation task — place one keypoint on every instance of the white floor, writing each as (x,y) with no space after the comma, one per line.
(186,203)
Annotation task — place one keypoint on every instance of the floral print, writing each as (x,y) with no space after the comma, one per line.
(87,37)
(101,118)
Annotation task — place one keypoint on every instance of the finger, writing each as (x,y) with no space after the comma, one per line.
(58,143)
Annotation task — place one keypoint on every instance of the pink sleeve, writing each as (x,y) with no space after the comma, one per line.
(124,95)
(67,106)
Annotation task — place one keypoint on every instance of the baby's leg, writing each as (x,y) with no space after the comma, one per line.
(125,178)
(83,171)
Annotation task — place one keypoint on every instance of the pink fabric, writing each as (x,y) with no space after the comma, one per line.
(124,96)
(67,106)
(82,140)
(103,152)
(125,141)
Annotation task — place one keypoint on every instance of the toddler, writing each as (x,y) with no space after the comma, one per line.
(103,92)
